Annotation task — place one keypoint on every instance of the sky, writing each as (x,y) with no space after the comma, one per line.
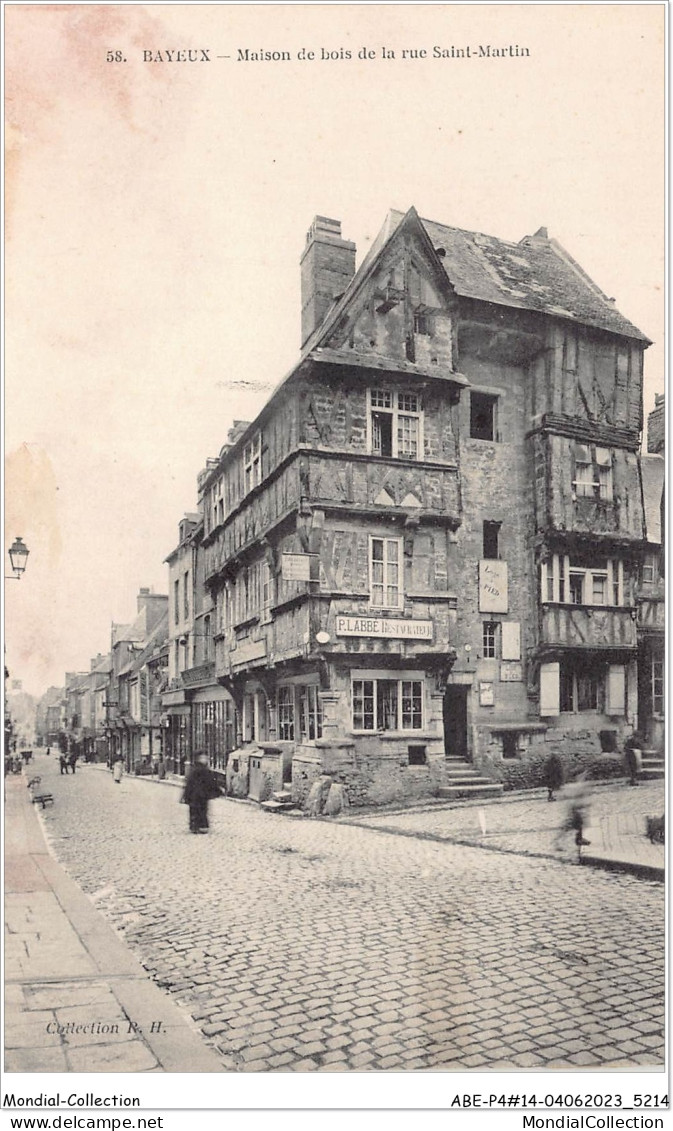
(156,213)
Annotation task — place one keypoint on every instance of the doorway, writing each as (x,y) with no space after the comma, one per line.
(455,721)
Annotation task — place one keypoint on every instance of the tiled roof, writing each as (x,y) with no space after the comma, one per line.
(654,472)
(534,274)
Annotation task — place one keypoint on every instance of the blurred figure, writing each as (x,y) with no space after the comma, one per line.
(200,787)
(554,775)
(118,769)
(633,748)
(578,795)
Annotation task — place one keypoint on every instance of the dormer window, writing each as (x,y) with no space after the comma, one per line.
(395,424)
(252,463)
(421,322)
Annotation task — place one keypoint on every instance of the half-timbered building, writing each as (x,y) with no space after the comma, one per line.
(423,552)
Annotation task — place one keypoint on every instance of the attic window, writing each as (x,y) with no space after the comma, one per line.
(421,323)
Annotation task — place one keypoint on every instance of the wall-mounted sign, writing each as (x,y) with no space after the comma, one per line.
(492,586)
(296,567)
(511,671)
(250,650)
(486,695)
(381,626)
(322,637)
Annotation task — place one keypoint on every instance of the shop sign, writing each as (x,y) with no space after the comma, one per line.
(486,695)
(511,672)
(296,567)
(382,627)
(245,653)
(492,586)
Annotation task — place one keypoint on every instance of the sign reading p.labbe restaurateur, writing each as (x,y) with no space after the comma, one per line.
(381,626)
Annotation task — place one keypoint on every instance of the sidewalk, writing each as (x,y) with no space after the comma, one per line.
(526,824)
(76,1000)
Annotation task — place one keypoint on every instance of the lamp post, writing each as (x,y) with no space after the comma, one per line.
(18,556)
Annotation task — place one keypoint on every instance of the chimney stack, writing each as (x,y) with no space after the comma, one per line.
(656,426)
(327,267)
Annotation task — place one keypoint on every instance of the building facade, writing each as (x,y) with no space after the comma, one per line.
(198,712)
(652,589)
(428,542)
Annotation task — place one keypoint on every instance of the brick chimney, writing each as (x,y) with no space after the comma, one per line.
(327,267)
(656,426)
(154,604)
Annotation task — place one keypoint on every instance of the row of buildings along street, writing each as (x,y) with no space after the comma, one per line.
(433,558)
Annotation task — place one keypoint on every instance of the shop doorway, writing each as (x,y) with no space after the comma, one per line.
(455,721)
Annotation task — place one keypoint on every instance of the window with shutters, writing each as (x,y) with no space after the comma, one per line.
(395,424)
(581,687)
(385,576)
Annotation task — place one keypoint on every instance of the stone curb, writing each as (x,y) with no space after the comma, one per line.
(179,1048)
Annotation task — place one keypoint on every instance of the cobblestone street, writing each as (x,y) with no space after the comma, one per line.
(300,945)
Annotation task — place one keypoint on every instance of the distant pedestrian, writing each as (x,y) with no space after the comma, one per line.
(117,769)
(577,795)
(48,751)
(63,763)
(72,761)
(632,752)
(554,775)
(201,786)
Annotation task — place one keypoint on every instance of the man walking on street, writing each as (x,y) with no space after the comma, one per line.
(200,787)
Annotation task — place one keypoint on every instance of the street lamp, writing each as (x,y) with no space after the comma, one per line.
(18,555)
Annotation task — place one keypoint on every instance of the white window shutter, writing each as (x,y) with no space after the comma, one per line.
(511,640)
(549,689)
(616,689)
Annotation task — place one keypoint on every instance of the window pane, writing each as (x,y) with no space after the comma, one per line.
(566,686)
(363,704)
(489,631)
(386,714)
(605,482)
(407,436)
(412,704)
(577,588)
(286,714)
(587,692)
(599,587)
(382,434)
